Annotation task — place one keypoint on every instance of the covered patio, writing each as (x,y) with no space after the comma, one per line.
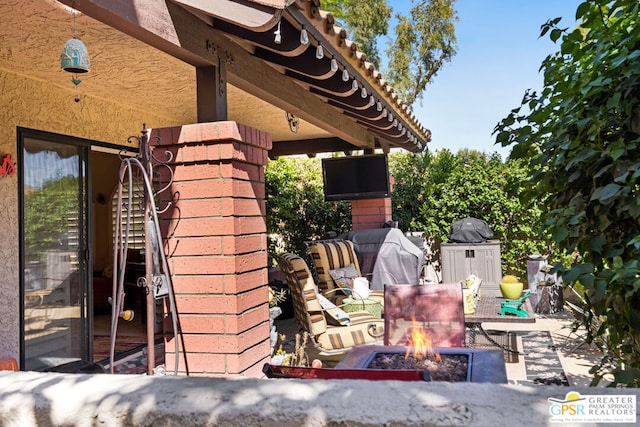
(224,86)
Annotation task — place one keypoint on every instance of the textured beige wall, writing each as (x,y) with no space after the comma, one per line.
(34,104)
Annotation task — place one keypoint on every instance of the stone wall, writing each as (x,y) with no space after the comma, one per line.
(30,399)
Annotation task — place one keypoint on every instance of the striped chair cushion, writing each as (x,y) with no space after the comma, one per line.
(357,333)
(331,256)
(304,296)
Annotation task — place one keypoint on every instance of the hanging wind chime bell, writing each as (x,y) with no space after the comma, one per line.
(75,58)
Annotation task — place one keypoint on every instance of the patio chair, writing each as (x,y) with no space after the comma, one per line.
(332,255)
(323,323)
(514,306)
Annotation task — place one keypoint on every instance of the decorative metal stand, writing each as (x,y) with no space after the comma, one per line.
(157,281)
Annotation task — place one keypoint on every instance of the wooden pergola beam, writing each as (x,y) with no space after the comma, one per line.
(168,27)
(307,146)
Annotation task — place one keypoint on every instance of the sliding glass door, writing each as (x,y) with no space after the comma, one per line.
(54,250)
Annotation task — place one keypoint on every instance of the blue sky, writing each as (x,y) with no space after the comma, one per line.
(499,54)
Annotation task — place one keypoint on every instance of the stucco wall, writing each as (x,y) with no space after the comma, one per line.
(35,104)
(9,323)
(35,399)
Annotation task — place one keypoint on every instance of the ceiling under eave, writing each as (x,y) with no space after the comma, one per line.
(148,49)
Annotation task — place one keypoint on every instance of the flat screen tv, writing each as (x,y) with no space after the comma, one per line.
(356,177)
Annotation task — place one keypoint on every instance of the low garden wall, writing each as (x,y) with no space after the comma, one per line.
(30,398)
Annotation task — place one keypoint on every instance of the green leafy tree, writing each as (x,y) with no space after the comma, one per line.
(432,192)
(423,41)
(366,21)
(296,209)
(416,176)
(51,213)
(580,137)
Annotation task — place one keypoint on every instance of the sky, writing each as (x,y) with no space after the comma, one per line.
(499,55)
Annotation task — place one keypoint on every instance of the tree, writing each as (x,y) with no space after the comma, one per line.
(423,42)
(365,21)
(416,176)
(580,137)
(296,209)
(433,191)
(45,229)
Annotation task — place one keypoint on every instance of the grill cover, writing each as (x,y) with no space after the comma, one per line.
(386,256)
(470,230)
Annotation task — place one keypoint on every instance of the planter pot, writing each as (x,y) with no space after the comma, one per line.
(511,290)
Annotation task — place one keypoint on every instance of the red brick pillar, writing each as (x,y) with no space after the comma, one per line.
(371,213)
(215,238)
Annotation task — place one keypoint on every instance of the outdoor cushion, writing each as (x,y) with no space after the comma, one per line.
(307,308)
(357,333)
(329,256)
(344,277)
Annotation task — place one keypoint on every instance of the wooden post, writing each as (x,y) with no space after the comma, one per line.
(211,93)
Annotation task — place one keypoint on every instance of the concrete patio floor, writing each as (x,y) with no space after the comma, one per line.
(575,362)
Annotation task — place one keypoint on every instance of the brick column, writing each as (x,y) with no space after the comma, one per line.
(370,213)
(215,238)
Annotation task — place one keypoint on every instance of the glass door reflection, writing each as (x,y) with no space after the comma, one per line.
(54,241)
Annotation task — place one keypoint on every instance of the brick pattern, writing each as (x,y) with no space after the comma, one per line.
(370,213)
(215,238)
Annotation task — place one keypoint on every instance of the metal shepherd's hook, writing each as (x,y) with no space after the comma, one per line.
(157,280)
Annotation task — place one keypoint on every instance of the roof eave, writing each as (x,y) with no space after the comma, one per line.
(321,25)
(257,15)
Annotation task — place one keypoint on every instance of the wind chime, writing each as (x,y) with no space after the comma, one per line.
(74,57)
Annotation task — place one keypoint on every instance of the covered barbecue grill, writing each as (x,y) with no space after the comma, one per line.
(387,256)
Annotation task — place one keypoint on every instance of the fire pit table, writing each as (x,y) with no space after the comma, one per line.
(383,362)
(481,365)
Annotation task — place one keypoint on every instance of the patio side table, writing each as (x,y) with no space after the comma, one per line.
(372,306)
(488,310)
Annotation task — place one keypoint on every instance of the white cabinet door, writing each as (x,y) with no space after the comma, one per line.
(455,264)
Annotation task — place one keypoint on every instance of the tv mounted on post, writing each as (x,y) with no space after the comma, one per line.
(356,177)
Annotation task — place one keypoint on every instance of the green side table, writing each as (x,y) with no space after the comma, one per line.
(372,306)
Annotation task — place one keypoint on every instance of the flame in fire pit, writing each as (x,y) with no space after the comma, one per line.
(420,342)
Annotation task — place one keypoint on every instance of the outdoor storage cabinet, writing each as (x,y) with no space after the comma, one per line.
(459,260)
